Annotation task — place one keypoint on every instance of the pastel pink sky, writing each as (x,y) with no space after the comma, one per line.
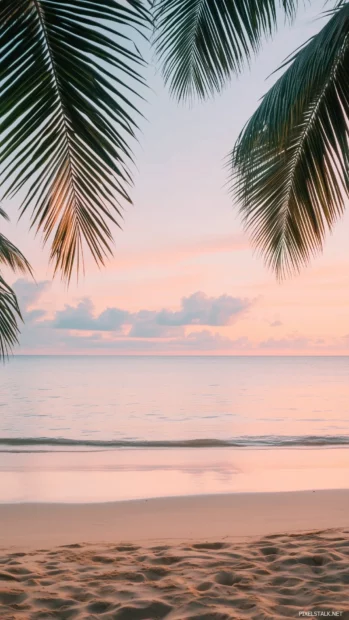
(183,236)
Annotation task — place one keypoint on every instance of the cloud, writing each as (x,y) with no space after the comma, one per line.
(117,329)
(120,331)
(295,342)
(276,323)
(199,309)
(81,317)
(28,293)
(196,309)
(203,341)
(147,325)
(206,340)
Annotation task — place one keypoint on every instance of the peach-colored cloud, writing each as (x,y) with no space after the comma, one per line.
(200,324)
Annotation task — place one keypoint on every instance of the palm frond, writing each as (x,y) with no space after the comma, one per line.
(10,313)
(290,164)
(201,42)
(70,78)
(12,257)
(9,316)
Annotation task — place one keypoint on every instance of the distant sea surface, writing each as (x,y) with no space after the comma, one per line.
(185,424)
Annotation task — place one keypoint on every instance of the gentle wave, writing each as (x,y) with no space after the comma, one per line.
(26,444)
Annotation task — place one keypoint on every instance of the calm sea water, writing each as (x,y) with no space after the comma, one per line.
(137,399)
(100,428)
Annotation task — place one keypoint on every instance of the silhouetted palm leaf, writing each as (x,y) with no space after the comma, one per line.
(290,164)
(9,316)
(11,257)
(69,77)
(201,42)
(10,313)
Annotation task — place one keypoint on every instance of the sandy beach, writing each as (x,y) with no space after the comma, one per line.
(253,556)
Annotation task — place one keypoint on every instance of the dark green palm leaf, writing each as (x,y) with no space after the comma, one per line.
(12,257)
(201,42)
(290,164)
(9,316)
(69,75)
(10,313)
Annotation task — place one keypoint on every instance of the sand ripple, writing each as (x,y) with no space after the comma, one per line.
(270,578)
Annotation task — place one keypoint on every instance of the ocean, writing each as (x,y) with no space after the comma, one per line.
(85,429)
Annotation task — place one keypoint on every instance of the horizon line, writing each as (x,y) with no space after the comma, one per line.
(177,355)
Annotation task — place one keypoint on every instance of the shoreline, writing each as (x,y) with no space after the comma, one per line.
(112,476)
(231,516)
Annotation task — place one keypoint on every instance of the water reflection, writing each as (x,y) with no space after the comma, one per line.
(135,474)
